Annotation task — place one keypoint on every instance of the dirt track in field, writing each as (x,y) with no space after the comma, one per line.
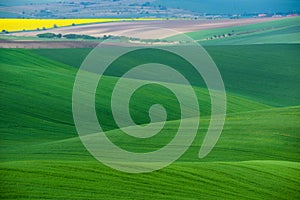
(140,29)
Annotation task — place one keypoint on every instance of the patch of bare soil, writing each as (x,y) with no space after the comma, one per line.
(140,29)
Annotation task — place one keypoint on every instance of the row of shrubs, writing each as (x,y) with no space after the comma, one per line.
(70,36)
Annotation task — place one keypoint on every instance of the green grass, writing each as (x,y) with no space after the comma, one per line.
(90,180)
(256,156)
(252,71)
(36,79)
(281,31)
(269,134)
(64,55)
(264,73)
(286,35)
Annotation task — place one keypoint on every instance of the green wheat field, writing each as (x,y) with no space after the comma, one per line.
(256,157)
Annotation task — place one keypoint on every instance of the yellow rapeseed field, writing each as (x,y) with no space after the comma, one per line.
(12,25)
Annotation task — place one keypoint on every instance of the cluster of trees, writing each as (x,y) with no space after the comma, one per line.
(221,36)
(75,36)
(49,35)
(71,36)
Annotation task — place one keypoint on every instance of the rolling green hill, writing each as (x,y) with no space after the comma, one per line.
(255,158)
(281,31)
(282,35)
(252,71)
(90,180)
(36,79)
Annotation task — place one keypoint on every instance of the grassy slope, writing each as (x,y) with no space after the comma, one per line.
(279,31)
(65,55)
(39,80)
(37,121)
(91,180)
(273,63)
(285,35)
(266,73)
(277,138)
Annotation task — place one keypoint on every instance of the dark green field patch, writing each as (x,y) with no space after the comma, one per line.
(256,156)
(266,73)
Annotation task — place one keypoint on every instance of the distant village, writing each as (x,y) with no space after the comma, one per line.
(117,9)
